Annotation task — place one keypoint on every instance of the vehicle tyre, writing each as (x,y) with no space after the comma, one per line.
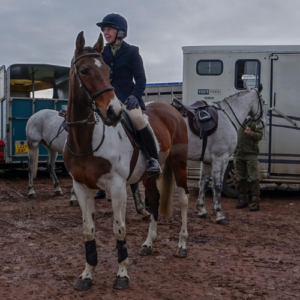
(230,183)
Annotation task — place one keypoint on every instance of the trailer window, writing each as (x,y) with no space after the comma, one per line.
(209,67)
(247,74)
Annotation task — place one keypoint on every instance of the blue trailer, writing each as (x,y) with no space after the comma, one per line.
(24,90)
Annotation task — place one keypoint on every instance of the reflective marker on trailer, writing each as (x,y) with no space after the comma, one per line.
(2,145)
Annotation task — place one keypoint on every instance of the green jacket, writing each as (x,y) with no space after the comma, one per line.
(248,144)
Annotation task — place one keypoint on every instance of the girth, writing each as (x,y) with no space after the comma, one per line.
(130,130)
(202,119)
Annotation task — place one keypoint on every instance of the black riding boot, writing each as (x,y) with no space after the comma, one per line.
(148,141)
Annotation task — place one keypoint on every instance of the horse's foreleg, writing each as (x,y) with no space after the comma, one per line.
(203,186)
(51,169)
(32,152)
(153,197)
(218,170)
(87,205)
(139,203)
(119,197)
(73,200)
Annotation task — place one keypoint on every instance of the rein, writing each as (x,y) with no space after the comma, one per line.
(86,154)
(93,105)
(58,133)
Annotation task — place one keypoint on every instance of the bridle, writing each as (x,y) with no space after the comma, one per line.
(81,84)
(94,107)
(259,108)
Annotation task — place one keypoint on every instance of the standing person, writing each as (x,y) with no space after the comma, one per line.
(246,163)
(128,78)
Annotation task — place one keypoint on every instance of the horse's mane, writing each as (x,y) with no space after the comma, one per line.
(237,94)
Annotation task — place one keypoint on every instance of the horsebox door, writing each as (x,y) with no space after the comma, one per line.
(285,121)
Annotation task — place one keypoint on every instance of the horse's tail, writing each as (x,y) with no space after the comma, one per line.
(166,191)
(35,166)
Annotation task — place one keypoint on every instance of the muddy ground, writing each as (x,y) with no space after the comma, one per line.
(256,256)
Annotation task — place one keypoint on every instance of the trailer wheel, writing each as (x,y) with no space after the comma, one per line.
(230,183)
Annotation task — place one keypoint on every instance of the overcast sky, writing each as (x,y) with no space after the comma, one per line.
(44,31)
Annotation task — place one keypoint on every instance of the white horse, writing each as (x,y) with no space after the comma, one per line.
(45,127)
(221,144)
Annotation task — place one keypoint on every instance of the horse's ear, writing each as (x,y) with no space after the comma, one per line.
(260,88)
(80,42)
(100,44)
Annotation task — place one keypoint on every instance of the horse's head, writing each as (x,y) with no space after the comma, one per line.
(92,80)
(257,109)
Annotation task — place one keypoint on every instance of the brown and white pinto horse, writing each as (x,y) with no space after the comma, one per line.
(99,156)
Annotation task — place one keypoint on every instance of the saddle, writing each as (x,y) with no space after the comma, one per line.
(63,113)
(202,119)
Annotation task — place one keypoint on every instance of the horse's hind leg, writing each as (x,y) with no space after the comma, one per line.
(218,170)
(179,167)
(51,169)
(139,204)
(153,197)
(203,186)
(32,153)
(73,200)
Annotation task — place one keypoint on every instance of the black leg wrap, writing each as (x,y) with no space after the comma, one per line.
(91,253)
(122,250)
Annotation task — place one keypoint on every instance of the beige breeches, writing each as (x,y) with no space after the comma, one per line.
(136,117)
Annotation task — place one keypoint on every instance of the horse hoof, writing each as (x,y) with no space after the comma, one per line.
(82,285)
(32,196)
(204,216)
(58,193)
(100,195)
(222,222)
(146,217)
(180,252)
(145,251)
(73,203)
(121,283)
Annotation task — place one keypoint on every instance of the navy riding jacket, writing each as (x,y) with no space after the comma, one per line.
(127,73)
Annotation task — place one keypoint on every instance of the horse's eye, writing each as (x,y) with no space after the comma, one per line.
(84,71)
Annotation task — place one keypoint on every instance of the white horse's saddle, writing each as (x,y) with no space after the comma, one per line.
(203,118)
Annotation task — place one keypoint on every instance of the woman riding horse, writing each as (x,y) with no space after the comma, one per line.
(126,65)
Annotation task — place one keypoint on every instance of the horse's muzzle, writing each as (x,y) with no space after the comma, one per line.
(112,118)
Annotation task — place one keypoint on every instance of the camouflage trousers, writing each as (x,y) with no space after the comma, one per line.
(246,167)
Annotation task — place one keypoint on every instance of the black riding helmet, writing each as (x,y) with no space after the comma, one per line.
(114,21)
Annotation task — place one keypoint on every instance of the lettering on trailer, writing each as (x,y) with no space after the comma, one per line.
(209,92)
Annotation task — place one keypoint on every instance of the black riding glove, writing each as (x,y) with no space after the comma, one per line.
(132,102)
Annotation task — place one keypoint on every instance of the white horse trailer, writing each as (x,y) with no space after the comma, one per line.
(211,73)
